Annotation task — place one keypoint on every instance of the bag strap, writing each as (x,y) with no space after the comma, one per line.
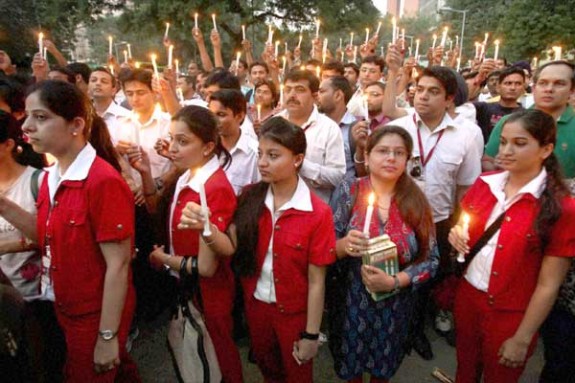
(482,241)
(34,187)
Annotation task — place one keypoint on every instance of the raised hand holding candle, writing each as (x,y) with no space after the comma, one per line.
(170,55)
(155,65)
(369,213)
(167,30)
(243,32)
(129,51)
(434,41)
(110,46)
(394,30)
(196,20)
(496,42)
(204,204)
(214,21)
(465,232)
(444,37)
(41,44)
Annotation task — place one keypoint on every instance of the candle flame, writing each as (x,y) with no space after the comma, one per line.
(371,199)
(238,55)
(41,35)
(137,65)
(496,42)
(157,108)
(466,218)
(153,56)
(434,36)
(446,29)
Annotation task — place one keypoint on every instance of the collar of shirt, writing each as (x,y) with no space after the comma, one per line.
(380,119)
(347,119)
(244,144)
(77,171)
(497,181)
(300,200)
(567,115)
(200,177)
(157,116)
(312,119)
(447,122)
(116,111)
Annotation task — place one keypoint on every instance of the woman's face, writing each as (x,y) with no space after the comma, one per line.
(263,96)
(47,132)
(277,163)
(388,158)
(519,151)
(187,150)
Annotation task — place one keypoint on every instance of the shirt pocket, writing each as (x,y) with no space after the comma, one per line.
(316,154)
(447,167)
(296,248)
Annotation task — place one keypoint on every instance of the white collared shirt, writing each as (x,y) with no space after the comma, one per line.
(479,270)
(187,181)
(243,170)
(456,160)
(324,164)
(113,118)
(146,135)
(355,105)
(77,171)
(300,200)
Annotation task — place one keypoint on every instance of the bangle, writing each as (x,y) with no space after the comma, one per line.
(396,286)
(308,336)
(356,160)
(183,264)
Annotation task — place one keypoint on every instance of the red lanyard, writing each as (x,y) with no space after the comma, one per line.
(422,155)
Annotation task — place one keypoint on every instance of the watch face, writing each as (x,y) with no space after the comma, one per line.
(107,334)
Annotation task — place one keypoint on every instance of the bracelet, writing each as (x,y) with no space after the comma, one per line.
(308,336)
(356,160)
(396,286)
(183,264)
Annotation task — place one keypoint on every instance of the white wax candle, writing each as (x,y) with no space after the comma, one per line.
(369,213)
(534,62)
(243,32)
(366,36)
(394,30)
(270,34)
(155,66)
(167,30)
(110,46)
(416,49)
(41,44)
(458,63)
(284,64)
(281,94)
(558,53)
(214,21)
(125,56)
(355,54)
(170,55)
(340,43)
(177,68)
(434,41)
(485,39)
(45,55)
(465,230)
(351,39)
(129,51)
(317,24)
(196,20)
(300,39)
(456,41)
(496,54)
(378,28)
(444,37)
(259,107)
(204,205)
(365,108)
(318,71)
(180,94)
(276,51)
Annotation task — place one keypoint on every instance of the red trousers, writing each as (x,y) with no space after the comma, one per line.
(220,328)
(272,335)
(481,330)
(81,334)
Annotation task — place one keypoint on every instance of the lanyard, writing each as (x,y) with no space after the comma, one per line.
(425,160)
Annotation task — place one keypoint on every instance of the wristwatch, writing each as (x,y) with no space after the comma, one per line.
(308,336)
(107,335)
(396,286)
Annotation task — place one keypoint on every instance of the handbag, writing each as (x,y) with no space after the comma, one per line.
(192,349)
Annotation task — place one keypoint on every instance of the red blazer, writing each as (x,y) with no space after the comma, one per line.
(518,255)
(300,238)
(217,291)
(84,213)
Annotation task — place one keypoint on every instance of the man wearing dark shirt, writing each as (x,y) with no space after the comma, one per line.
(510,87)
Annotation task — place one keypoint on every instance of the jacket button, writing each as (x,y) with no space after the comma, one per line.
(55,203)
(53,268)
(220,219)
(276,280)
(507,218)
(529,235)
(275,255)
(178,202)
(72,222)
(495,273)
(120,226)
(277,227)
(500,247)
(298,246)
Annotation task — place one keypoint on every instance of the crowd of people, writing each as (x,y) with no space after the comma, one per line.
(272,183)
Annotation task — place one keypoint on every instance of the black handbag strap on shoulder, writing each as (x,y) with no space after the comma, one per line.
(482,241)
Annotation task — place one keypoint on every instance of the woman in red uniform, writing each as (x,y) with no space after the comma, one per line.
(283,238)
(513,281)
(195,146)
(85,236)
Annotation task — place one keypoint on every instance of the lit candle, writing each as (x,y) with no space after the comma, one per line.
(355,54)
(340,43)
(276,51)
(284,64)
(270,34)
(496,42)
(456,41)
(238,55)
(125,56)
(465,229)
(394,30)
(300,39)
(177,69)
(196,20)
(477,45)
(416,49)
(378,28)
(259,107)
(112,69)
(243,32)
(204,204)
(535,62)
(129,51)
(365,108)
(444,37)
(155,65)
(458,63)
(41,44)
(366,36)
(281,94)
(351,39)
(369,213)
(170,55)
(434,41)
(110,46)
(317,24)
(318,71)
(558,53)
(137,65)
(180,94)
(167,30)
(214,21)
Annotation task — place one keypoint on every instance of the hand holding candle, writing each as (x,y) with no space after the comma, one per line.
(465,233)
(204,203)
(369,213)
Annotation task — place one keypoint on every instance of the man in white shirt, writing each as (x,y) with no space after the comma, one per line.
(324,165)
(102,88)
(371,70)
(229,107)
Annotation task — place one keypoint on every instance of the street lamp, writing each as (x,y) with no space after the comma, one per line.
(464,11)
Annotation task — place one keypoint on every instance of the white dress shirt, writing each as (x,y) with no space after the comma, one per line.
(113,117)
(243,170)
(479,270)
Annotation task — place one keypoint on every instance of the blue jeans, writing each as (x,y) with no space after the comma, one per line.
(558,334)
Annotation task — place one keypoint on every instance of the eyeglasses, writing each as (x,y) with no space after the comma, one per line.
(394,153)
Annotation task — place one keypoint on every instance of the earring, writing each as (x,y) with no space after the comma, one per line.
(19,149)
(75,134)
